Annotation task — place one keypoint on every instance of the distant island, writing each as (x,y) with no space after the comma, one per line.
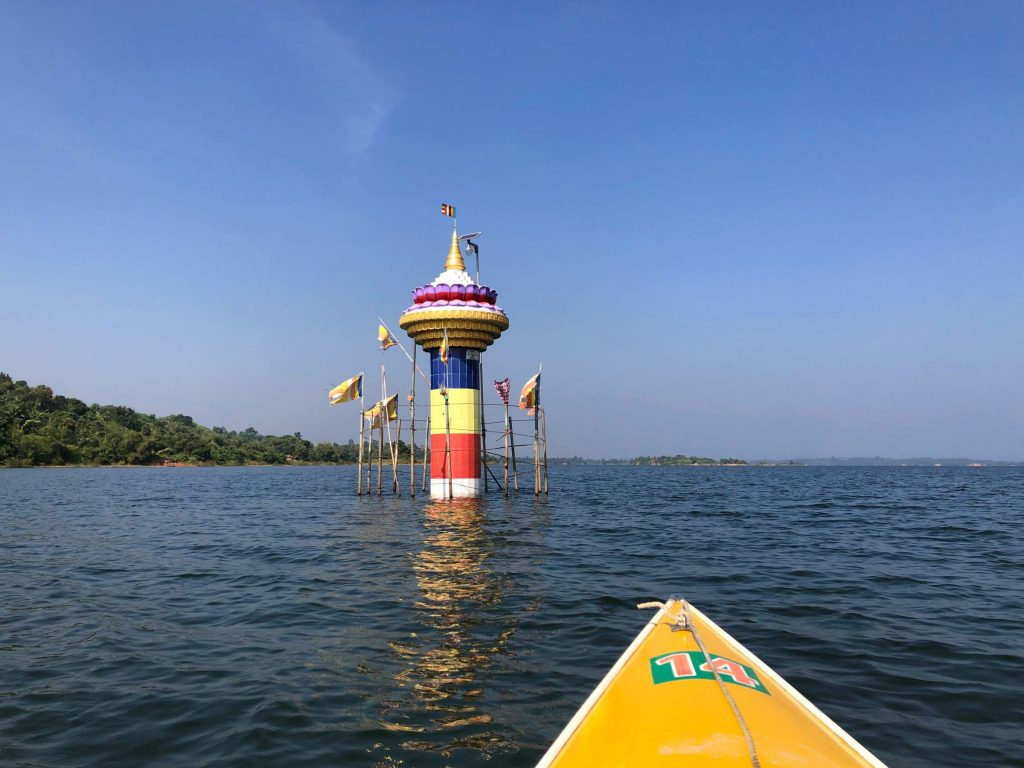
(39,428)
(657,461)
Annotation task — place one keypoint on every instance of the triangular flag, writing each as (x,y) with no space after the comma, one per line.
(350,389)
(385,338)
(530,396)
(444,348)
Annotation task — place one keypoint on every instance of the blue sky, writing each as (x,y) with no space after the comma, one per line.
(760,230)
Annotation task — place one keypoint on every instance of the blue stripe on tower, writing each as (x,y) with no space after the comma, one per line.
(462,373)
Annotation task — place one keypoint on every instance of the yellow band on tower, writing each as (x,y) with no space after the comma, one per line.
(463,411)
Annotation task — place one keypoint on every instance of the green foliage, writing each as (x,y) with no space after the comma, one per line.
(38,427)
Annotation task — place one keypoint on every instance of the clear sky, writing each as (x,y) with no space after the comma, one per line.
(748,229)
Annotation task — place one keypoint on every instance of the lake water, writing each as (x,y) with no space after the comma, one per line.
(268,616)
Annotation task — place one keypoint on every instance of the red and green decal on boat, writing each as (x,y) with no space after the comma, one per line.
(692,665)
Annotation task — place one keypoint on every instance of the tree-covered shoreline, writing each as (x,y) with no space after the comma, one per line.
(39,428)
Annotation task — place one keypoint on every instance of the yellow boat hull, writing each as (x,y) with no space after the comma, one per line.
(662,705)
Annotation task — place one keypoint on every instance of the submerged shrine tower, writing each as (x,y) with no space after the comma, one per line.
(454,305)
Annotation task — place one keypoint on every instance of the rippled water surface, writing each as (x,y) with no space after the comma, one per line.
(268,616)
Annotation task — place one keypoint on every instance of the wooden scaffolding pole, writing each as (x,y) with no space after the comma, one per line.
(395,455)
(412,428)
(359,465)
(536,434)
(369,459)
(447,424)
(506,448)
(380,455)
(386,419)
(448,445)
(544,440)
(515,467)
(426,451)
(381,418)
(536,451)
(483,419)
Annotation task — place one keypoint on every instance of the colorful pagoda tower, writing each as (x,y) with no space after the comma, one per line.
(455,305)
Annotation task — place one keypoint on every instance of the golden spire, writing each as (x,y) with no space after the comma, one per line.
(455,261)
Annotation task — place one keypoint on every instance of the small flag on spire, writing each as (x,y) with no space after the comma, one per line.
(448,210)
(443,353)
(385,338)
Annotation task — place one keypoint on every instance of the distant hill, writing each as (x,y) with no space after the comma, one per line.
(654,461)
(38,427)
(876,461)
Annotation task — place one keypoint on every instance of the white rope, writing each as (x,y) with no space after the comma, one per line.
(683,621)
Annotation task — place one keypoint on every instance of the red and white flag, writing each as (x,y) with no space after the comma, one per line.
(503,388)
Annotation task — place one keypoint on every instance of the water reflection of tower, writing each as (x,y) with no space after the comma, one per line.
(442,701)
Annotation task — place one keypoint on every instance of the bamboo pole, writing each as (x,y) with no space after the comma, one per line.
(448,445)
(515,467)
(426,453)
(447,425)
(536,450)
(386,419)
(536,433)
(544,438)
(397,486)
(506,449)
(359,474)
(391,451)
(380,436)
(380,456)
(483,420)
(412,428)
(369,458)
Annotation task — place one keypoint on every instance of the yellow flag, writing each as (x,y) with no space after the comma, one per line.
(385,338)
(349,389)
(388,408)
(529,398)
(444,348)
